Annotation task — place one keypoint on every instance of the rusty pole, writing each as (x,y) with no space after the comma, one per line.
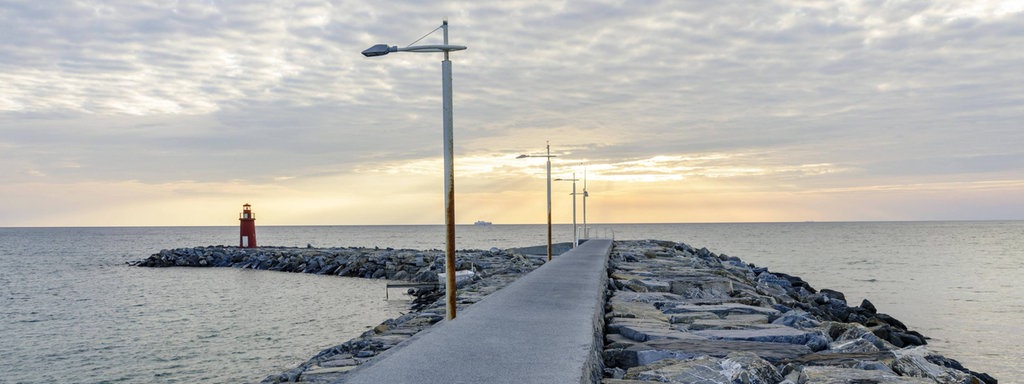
(449,180)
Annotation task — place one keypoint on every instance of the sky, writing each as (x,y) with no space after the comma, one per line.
(139,113)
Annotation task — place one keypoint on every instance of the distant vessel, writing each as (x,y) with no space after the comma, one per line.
(481,222)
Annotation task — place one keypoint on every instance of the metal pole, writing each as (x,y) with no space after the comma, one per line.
(449,180)
(575,233)
(586,231)
(549,201)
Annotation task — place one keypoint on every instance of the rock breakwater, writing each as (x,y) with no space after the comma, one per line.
(369,263)
(493,269)
(677,314)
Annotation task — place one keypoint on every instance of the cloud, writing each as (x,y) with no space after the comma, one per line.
(757,95)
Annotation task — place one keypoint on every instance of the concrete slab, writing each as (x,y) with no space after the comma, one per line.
(543,328)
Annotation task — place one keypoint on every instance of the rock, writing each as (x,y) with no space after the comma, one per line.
(868,306)
(852,346)
(723,309)
(620,306)
(704,369)
(633,285)
(950,363)
(735,368)
(628,358)
(833,295)
(838,375)
(881,318)
(326,268)
(771,333)
(746,367)
(379,273)
(400,275)
(365,353)
(425,277)
(690,317)
(614,374)
(833,358)
(898,337)
(796,282)
(656,254)
(643,330)
(685,248)
(912,338)
(912,362)
(644,353)
(859,332)
(345,270)
(652,285)
(342,361)
(797,319)
(701,287)
(837,310)
(874,366)
(730,322)
(768,278)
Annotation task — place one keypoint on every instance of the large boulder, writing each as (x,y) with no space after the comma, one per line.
(738,367)
(839,375)
(912,362)
(770,333)
(653,350)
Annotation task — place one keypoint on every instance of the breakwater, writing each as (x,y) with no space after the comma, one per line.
(678,314)
(674,314)
(369,263)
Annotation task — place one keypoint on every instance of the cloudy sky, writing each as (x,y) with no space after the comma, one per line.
(178,112)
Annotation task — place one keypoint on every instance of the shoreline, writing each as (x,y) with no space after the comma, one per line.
(666,302)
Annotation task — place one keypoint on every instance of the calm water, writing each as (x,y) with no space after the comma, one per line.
(71,311)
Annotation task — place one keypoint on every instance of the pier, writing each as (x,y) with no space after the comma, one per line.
(545,327)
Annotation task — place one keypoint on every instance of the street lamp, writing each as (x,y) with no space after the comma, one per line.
(586,230)
(449,164)
(575,234)
(548,156)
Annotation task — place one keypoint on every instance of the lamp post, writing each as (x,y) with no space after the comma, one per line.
(449,164)
(586,230)
(575,234)
(548,156)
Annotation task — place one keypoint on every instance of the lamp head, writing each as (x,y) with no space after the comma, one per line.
(379,50)
(522,156)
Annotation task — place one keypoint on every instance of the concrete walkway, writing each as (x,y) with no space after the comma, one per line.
(545,327)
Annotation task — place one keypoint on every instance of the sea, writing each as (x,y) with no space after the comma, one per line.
(73,311)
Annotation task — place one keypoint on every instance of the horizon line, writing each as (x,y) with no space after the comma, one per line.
(518,224)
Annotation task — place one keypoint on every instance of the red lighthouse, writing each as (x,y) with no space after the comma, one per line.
(247,223)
